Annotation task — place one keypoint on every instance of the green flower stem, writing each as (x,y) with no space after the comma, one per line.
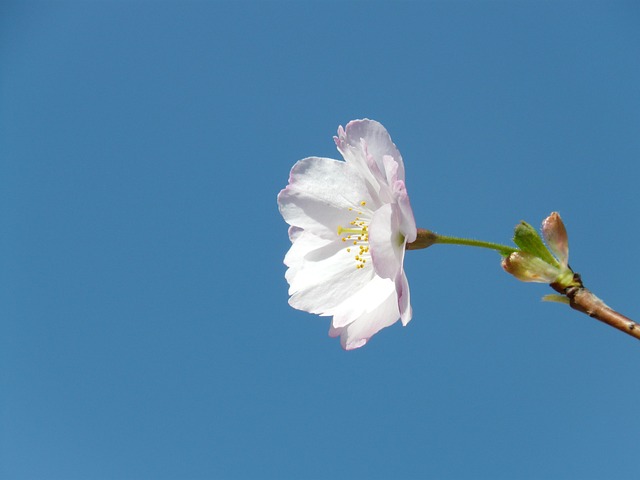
(426,238)
(572,291)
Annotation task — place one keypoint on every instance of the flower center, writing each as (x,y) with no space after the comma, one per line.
(356,236)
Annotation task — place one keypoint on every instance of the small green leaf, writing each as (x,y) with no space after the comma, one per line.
(527,238)
(555,298)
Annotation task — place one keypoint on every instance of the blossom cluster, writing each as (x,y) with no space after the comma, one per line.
(350,222)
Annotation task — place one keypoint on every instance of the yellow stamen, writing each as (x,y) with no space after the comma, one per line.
(358,233)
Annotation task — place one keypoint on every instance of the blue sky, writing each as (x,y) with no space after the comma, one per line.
(145,331)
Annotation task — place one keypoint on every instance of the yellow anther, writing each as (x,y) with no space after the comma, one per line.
(357,231)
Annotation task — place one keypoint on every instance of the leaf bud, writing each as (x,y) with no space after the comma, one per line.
(527,267)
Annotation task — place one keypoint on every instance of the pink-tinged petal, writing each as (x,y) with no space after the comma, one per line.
(378,143)
(356,157)
(319,194)
(407,220)
(359,332)
(386,242)
(366,145)
(390,169)
(335,331)
(555,234)
(294,233)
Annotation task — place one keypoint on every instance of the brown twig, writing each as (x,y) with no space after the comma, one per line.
(583,300)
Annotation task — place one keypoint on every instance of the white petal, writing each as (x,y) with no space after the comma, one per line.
(404,298)
(387,253)
(359,332)
(364,301)
(303,243)
(324,278)
(319,193)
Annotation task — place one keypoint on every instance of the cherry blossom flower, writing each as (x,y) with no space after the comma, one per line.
(350,222)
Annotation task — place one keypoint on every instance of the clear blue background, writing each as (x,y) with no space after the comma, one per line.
(145,330)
